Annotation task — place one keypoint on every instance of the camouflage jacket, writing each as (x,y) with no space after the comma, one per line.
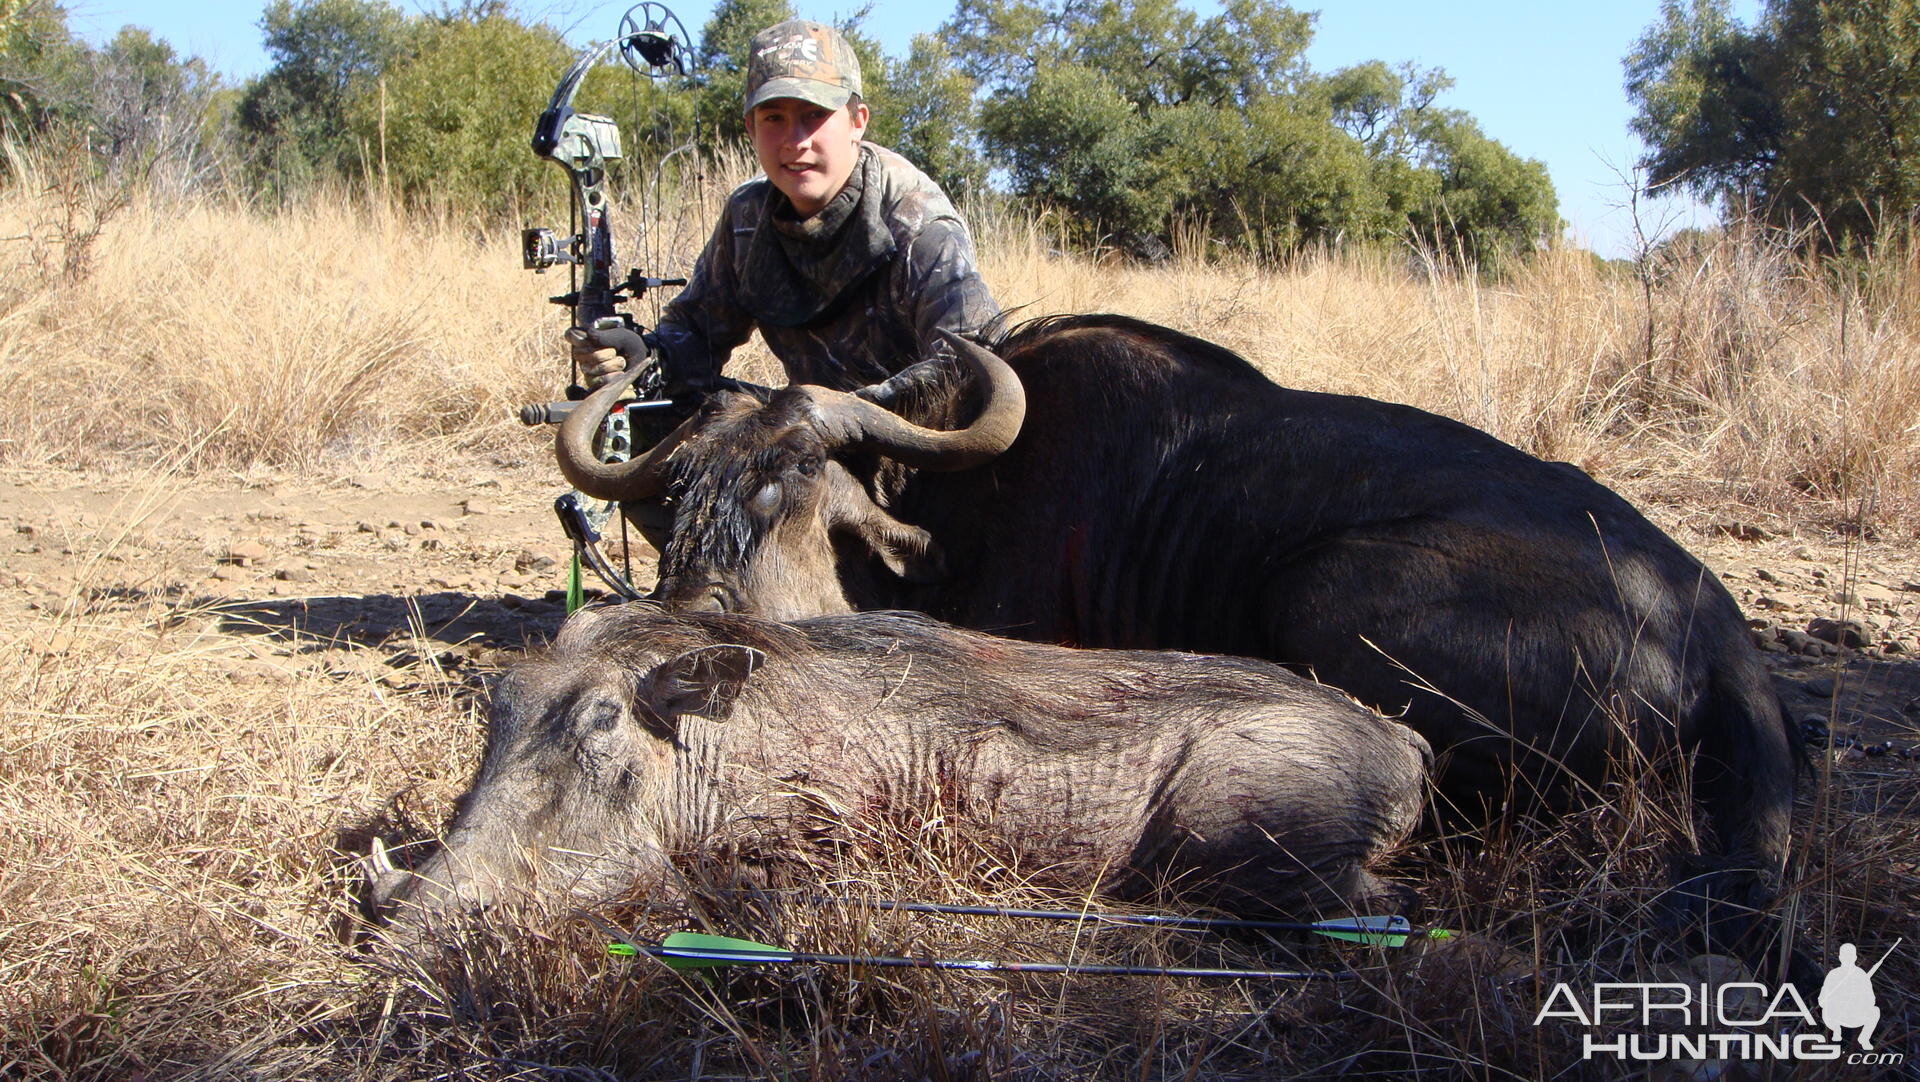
(844,299)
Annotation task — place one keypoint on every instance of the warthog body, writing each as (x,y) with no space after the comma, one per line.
(1160,493)
(643,734)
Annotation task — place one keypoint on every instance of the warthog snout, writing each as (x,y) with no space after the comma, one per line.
(443,882)
(566,801)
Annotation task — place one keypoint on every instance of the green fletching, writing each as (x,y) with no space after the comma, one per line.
(621,950)
(1371,931)
(576,593)
(704,951)
(1371,939)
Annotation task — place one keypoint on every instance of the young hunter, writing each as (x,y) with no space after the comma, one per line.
(845,256)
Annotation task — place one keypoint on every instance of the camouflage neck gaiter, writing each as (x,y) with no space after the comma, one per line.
(797,268)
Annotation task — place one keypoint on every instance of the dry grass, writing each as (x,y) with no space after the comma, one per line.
(176,892)
(180,902)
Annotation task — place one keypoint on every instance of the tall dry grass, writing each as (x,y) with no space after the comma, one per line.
(1736,374)
(182,795)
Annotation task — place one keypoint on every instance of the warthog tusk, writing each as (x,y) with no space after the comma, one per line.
(377,863)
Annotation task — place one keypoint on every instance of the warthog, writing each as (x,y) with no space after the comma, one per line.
(643,734)
(1100,481)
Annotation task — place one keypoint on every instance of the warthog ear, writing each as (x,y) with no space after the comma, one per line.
(704,681)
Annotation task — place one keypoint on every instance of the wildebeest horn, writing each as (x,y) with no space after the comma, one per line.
(992,432)
(636,479)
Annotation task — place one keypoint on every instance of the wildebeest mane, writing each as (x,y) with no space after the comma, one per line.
(1123,347)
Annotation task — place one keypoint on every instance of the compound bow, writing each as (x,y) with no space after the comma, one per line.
(652,42)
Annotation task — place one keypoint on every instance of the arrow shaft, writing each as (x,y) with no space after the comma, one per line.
(1152,919)
(1159,920)
(978,966)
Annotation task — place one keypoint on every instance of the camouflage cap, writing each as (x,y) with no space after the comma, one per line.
(802,59)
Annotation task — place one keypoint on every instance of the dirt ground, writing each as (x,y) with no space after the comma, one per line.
(361,569)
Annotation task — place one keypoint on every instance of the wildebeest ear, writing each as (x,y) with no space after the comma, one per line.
(703,681)
(908,551)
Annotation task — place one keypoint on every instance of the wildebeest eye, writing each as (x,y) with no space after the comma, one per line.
(807,467)
(767,500)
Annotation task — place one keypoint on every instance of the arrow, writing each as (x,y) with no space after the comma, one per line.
(1372,931)
(695,950)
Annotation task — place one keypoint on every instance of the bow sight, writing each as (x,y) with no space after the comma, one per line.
(652,43)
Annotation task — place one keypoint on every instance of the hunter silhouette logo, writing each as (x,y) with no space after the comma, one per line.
(1701,1018)
(1846,997)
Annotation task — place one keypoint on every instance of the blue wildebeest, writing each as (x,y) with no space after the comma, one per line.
(1102,481)
(643,733)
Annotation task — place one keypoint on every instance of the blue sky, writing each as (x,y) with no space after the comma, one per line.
(1544,79)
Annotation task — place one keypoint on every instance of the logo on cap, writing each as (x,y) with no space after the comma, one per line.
(802,59)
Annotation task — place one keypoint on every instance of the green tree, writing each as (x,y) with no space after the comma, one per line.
(326,53)
(1490,202)
(41,65)
(931,117)
(459,109)
(1090,107)
(1850,89)
(876,69)
(1270,177)
(1069,138)
(1157,53)
(1707,112)
(1128,113)
(721,62)
(1813,113)
(131,111)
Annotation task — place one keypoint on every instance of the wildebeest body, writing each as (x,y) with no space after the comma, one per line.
(1176,498)
(644,734)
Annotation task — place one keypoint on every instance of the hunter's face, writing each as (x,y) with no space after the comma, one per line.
(807,150)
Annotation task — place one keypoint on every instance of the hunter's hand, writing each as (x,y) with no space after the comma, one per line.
(600,353)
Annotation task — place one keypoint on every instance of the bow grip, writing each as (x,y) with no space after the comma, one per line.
(610,333)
